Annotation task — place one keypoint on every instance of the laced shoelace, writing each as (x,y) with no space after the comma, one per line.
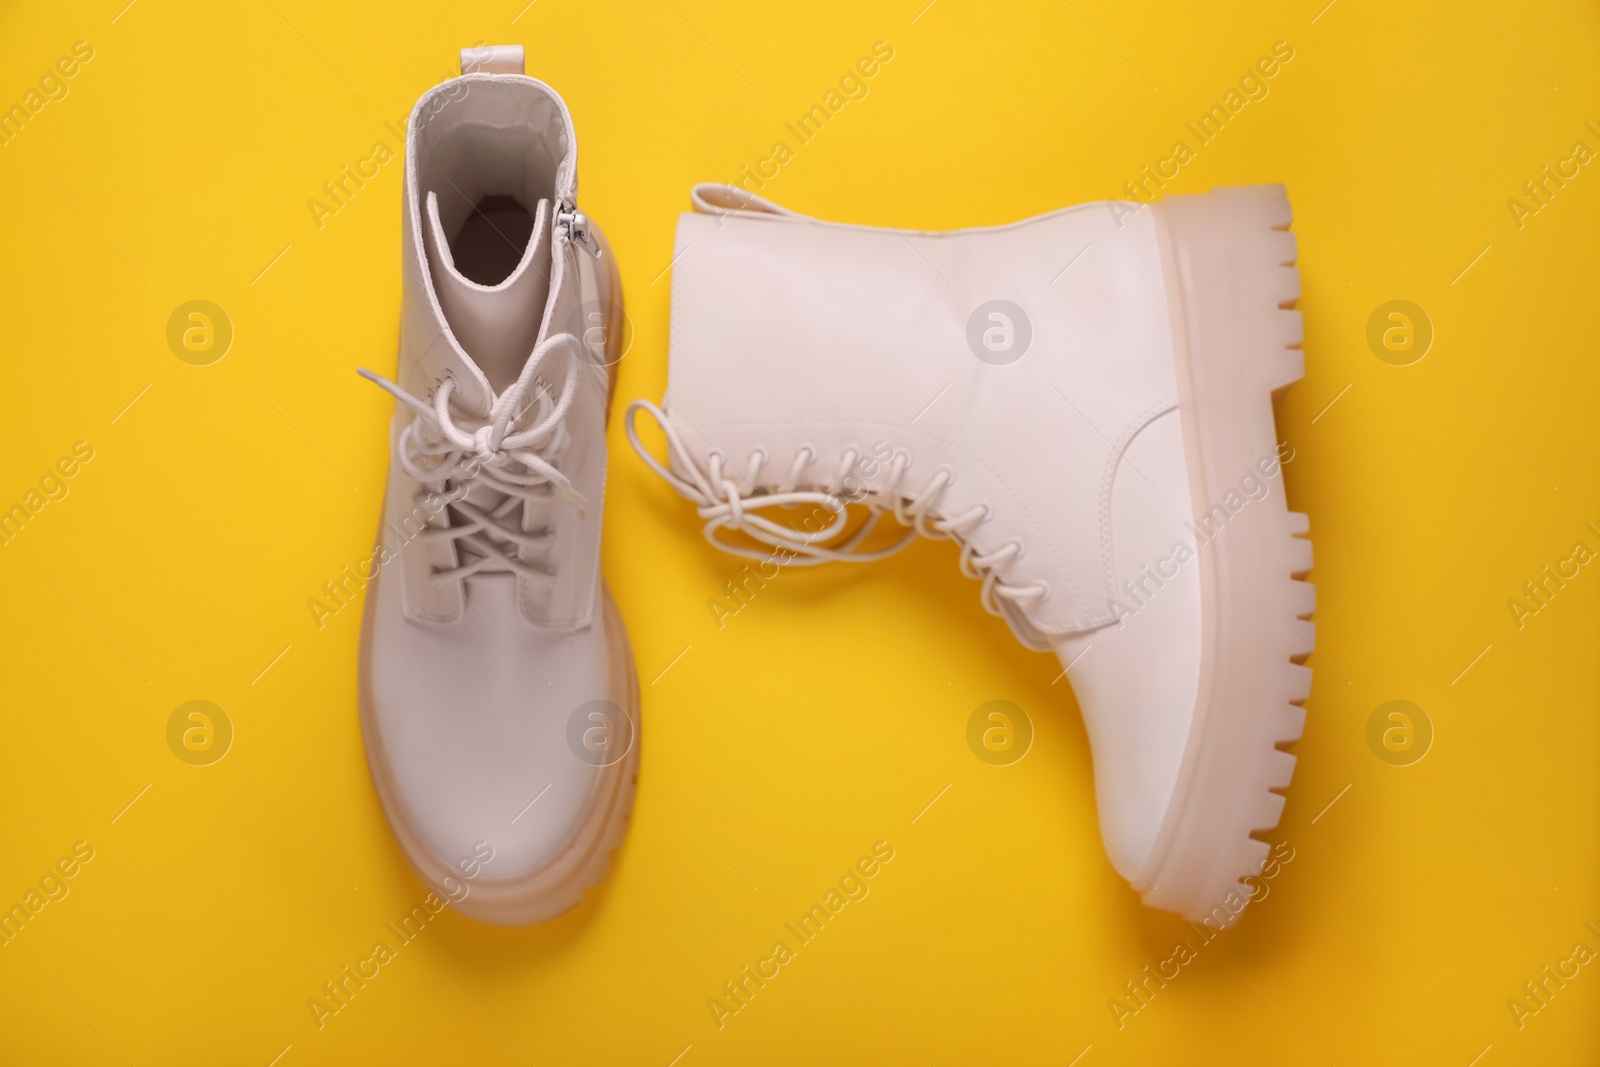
(457,453)
(725,506)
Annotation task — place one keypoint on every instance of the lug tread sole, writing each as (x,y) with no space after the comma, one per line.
(1232,263)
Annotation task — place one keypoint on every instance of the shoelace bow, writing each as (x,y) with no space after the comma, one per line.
(724,505)
(456,452)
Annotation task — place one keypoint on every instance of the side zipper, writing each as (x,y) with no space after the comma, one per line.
(576,226)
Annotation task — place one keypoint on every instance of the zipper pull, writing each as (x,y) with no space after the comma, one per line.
(576,226)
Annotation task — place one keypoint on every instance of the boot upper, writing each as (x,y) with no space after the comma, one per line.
(476,675)
(1013,387)
(1020,360)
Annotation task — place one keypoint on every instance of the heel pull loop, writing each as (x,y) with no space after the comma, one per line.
(717,198)
(494,59)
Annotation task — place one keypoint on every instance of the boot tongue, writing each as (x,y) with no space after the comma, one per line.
(495,320)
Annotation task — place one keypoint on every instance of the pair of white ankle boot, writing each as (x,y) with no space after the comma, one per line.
(1081,400)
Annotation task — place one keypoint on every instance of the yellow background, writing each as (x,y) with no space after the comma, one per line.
(824,717)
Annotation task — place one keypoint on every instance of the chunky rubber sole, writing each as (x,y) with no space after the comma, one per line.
(1228,260)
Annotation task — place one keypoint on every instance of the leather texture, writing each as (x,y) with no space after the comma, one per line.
(475,136)
(789,333)
(493,59)
(497,325)
(473,681)
(1136,680)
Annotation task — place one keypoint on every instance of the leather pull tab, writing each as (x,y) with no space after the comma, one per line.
(715,198)
(495,59)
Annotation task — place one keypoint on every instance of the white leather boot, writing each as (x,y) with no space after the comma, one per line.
(498,698)
(1083,401)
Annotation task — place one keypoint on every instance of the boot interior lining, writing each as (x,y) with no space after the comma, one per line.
(492,240)
(490,155)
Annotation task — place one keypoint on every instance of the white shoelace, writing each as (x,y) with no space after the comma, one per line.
(457,453)
(723,505)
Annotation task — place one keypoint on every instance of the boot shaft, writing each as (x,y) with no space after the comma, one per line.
(1021,360)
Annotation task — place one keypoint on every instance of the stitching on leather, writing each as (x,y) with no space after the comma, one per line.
(1031,521)
(1118,450)
(580,618)
(418,611)
(421,611)
(674,341)
(675,319)
(430,365)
